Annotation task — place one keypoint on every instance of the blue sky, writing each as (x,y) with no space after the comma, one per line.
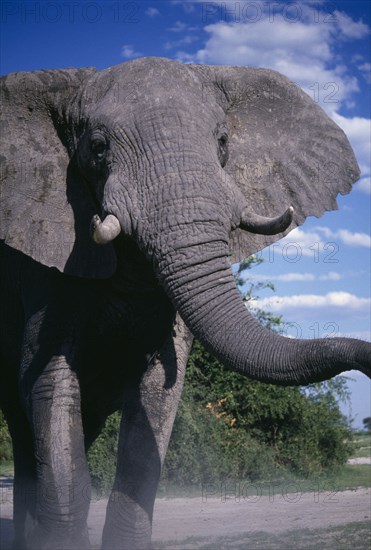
(321,271)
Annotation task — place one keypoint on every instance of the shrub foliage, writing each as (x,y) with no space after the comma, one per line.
(231,427)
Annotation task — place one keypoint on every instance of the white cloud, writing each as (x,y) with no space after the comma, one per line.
(346,236)
(179,26)
(184,57)
(354,239)
(285,277)
(297,277)
(336,300)
(129,52)
(321,240)
(185,41)
(238,43)
(302,49)
(299,242)
(302,237)
(330,276)
(152,12)
(364,185)
(291,277)
(350,28)
(365,69)
(187,5)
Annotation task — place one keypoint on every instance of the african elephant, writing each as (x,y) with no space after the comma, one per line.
(190,168)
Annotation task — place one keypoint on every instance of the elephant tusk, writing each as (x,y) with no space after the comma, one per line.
(265,226)
(104,232)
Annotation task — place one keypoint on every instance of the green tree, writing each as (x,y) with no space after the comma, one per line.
(367,423)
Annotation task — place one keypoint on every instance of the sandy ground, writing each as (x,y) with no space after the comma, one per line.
(274,514)
(215,514)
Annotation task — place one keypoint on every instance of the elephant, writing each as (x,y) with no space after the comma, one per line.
(126,195)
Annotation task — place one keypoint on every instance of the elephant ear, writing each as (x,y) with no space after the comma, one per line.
(283,149)
(45,209)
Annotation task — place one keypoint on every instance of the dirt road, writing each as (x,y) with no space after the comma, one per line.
(188,523)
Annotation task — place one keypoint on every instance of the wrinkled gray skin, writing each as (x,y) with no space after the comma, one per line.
(184,164)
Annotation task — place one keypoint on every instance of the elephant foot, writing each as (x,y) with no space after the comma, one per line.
(133,538)
(127,526)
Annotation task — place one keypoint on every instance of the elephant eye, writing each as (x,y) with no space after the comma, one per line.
(99,149)
(223,149)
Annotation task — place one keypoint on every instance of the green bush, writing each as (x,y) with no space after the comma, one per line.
(204,447)
(231,427)
(102,455)
(6,452)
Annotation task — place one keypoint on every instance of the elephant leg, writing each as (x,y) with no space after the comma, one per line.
(24,488)
(51,394)
(148,416)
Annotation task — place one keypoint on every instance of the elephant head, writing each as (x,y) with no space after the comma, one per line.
(200,166)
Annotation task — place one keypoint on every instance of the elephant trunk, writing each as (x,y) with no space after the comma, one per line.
(199,281)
